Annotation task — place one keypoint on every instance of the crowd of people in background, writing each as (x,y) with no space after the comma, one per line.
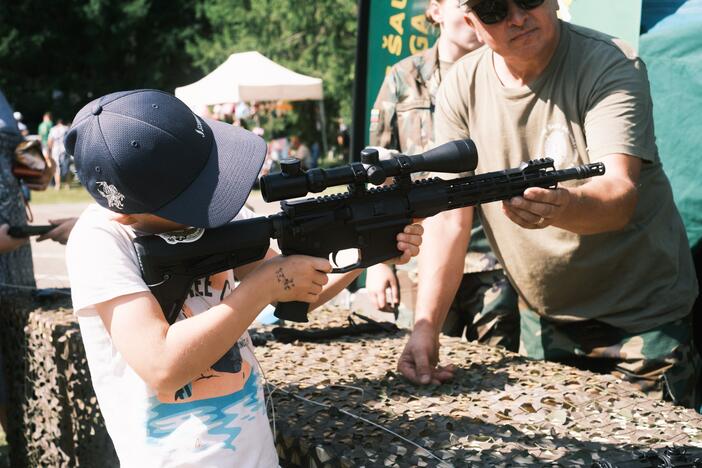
(274,122)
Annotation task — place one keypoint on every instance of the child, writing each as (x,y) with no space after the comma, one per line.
(188,394)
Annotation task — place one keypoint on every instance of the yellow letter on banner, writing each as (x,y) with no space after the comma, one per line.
(393,43)
(419,23)
(396,22)
(418,43)
(399,3)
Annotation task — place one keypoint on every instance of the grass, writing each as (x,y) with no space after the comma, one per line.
(76,194)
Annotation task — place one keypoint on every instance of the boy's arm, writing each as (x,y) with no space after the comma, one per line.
(168,357)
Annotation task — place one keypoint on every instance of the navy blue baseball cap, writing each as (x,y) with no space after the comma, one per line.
(145,151)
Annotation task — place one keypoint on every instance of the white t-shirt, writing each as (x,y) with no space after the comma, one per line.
(218,420)
(56,135)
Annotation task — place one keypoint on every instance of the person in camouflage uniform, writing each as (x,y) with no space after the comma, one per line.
(485,307)
(16,266)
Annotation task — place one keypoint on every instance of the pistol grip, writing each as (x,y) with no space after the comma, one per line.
(294,311)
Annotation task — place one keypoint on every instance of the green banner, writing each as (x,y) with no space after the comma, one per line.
(396,29)
(618,18)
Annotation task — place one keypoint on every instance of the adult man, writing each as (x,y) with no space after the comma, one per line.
(602,268)
(485,307)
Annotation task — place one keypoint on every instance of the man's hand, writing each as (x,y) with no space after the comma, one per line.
(419,360)
(61,232)
(380,278)
(538,207)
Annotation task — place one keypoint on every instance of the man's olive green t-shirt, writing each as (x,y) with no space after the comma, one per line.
(591,101)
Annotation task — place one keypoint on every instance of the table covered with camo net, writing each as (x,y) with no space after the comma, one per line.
(341,403)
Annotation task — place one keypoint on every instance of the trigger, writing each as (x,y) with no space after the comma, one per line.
(333,259)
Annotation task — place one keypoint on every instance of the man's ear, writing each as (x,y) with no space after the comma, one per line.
(471,24)
(434,10)
(125,219)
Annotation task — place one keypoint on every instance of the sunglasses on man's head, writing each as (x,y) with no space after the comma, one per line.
(494,11)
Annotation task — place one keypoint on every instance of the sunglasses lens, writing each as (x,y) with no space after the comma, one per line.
(491,11)
(528,4)
(494,11)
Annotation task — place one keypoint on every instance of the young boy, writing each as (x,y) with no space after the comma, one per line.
(188,394)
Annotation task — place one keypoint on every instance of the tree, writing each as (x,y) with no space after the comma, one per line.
(314,38)
(58,55)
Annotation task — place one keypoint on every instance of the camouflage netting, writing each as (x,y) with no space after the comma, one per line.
(53,414)
(500,410)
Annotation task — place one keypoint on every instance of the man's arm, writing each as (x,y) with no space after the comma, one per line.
(441,261)
(602,204)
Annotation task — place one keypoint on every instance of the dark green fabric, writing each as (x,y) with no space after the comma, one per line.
(672,51)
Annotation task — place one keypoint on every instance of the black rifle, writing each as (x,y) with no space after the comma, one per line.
(364,219)
(26,231)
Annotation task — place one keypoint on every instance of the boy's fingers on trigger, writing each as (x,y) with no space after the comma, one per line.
(320,278)
(322,264)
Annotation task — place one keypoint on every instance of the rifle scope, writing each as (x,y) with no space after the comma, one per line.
(454,156)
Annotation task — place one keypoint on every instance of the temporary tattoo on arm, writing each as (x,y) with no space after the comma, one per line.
(287,283)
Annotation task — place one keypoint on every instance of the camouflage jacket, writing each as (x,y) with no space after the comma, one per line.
(15,267)
(402,119)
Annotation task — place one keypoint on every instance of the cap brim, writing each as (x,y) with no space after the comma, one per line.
(222,187)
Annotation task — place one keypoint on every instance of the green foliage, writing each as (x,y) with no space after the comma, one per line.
(58,55)
(314,38)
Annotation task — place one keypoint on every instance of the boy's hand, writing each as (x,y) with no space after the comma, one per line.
(295,278)
(9,243)
(408,241)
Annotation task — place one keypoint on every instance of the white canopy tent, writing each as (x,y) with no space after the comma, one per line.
(250,76)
